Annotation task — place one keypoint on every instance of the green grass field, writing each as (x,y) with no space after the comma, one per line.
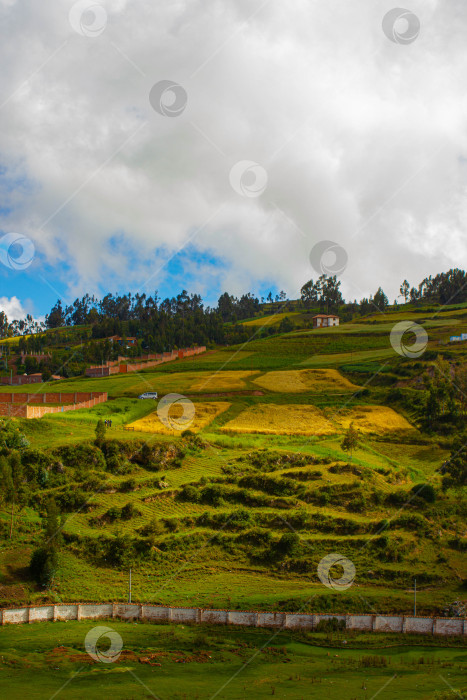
(177,662)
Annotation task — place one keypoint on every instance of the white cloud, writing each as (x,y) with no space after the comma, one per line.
(13,308)
(363,140)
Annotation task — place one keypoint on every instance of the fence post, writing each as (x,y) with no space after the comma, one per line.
(55,613)
(373,623)
(29,615)
(78,612)
(114,610)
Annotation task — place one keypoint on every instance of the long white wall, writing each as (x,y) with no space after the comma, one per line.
(155,613)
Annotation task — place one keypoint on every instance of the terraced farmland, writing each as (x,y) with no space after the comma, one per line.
(240,511)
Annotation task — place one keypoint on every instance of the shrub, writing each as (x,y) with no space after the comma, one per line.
(425,491)
(154,527)
(130,511)
(81,456)
(288,543)
(256,536)
(120,550)
(112,514)
(190,493)
(330,625)
(128,485)
(94,483)
(43,565)
(71,499)
(171,524)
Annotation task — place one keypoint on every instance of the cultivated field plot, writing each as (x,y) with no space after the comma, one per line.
(205,412)
(221,381)
(301,380)
(372,419)
(273,320)
(294,419)
(289,419)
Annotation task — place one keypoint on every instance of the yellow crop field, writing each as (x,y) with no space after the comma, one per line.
(221,381)
(272,320)
(372,419)
(204,413)
(301,380)
(288,419)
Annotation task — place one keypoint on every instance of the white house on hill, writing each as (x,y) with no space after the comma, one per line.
(322,320)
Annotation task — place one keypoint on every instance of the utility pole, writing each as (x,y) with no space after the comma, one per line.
(415,596)
(129,588)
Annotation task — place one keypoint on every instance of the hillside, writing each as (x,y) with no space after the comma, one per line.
(240,512)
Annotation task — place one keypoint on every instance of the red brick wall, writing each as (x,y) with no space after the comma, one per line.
(84,400)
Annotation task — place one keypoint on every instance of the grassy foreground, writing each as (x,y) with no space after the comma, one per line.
(49,660)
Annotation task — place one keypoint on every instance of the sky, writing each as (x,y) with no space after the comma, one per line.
(213,146)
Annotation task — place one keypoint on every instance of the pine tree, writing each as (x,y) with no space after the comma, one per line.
(100,433)
(44,560)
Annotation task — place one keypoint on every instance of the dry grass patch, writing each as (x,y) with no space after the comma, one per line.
(372,419)
(205,412)
(301,380)
(221,381)
(288,419)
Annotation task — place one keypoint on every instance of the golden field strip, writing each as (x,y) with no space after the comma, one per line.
(295,419)
(204,414)
(281,419)
(301,380)
(372,419)
(226,380)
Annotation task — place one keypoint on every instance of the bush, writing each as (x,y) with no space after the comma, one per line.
(190,493)
(425,491)
(288,543)
(154,527)
(71,499)
(43,565)
(330,625)
(120,550)
(82,456)
(129,485)
(171,524)
(256,536)
(130,511)
(94,483)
